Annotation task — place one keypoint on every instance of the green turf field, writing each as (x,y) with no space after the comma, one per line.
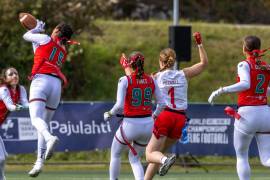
(226,173)
(91,175)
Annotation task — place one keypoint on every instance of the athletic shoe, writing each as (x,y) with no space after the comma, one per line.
(166,166)
(37,168)
(50,147)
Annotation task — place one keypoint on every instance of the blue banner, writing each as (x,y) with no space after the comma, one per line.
(80,127)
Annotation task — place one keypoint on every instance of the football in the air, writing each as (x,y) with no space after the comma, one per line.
(27,20)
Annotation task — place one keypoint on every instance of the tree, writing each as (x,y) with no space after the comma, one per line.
(80,14)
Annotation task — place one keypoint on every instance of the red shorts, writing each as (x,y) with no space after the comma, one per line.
(169,123)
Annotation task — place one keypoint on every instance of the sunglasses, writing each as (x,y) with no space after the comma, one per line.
(12,73)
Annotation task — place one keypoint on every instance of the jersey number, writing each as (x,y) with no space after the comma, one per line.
(261,80)
(138,96)
(60,56)
(171,94)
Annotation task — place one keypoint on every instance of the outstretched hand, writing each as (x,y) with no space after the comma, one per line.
(107,116)
(124,61)
(20,107)
(198,38)
(39,27)
(215,94)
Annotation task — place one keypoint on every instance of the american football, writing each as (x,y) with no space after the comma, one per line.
(27,20)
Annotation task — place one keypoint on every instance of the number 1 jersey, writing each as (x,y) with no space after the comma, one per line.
(173,86)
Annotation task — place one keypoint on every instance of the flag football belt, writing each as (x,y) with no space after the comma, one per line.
(175,111)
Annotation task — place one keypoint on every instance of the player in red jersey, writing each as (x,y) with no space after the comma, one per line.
(13,97)
(252,88)
(171,121)
(50,54)
(134,98)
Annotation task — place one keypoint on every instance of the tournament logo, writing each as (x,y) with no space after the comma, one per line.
(9,129)
(18,129)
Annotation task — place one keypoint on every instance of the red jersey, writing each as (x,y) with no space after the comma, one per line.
(49,58)
(15,96)
(138,100)
(259,80)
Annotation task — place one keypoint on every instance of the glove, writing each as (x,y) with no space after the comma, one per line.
(19,107)
(39,27)
(154,117)
(215,94)
(198,38)
(124,61)
(107,116)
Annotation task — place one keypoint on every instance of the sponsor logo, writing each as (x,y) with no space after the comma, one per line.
(18,129)
(80,127)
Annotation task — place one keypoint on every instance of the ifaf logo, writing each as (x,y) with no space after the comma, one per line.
(9,129)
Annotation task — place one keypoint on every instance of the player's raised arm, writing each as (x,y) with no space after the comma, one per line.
(125,64)
(196,69)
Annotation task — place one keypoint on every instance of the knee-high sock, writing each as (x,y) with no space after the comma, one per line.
(135,162)
(115,163)
(2,168)
(36,109)
(41,147)
(241,145)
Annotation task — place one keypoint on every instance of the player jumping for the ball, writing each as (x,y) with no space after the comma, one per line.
(50,53)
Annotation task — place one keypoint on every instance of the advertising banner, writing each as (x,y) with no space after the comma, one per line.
(80,127)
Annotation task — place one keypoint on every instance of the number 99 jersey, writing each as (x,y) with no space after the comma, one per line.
(138,100)
(173,86)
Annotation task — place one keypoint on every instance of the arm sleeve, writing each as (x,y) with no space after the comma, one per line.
(5,97)
(121,94)
(36,38)
(243,71)
(23,97)
(159,100)
(268,90)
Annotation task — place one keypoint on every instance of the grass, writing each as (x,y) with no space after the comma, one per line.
(223,43)
(93,173)
(218,168)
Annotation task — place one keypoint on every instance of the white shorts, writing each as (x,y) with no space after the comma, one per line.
(138,130)
(46,88)
(253,119)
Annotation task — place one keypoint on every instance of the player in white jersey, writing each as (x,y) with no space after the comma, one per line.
(253,112)
(13,97)
(50,53)
(169,124)
(134,96)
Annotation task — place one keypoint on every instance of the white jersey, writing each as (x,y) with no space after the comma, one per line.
(173,85)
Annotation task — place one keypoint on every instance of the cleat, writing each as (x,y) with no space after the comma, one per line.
(166,166)
(50,147)
(37,168)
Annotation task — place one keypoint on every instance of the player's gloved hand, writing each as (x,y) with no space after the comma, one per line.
(154,117)
(107,116)
(124,61)
(19,107)
(198,38)
(39,27)
(215,94)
